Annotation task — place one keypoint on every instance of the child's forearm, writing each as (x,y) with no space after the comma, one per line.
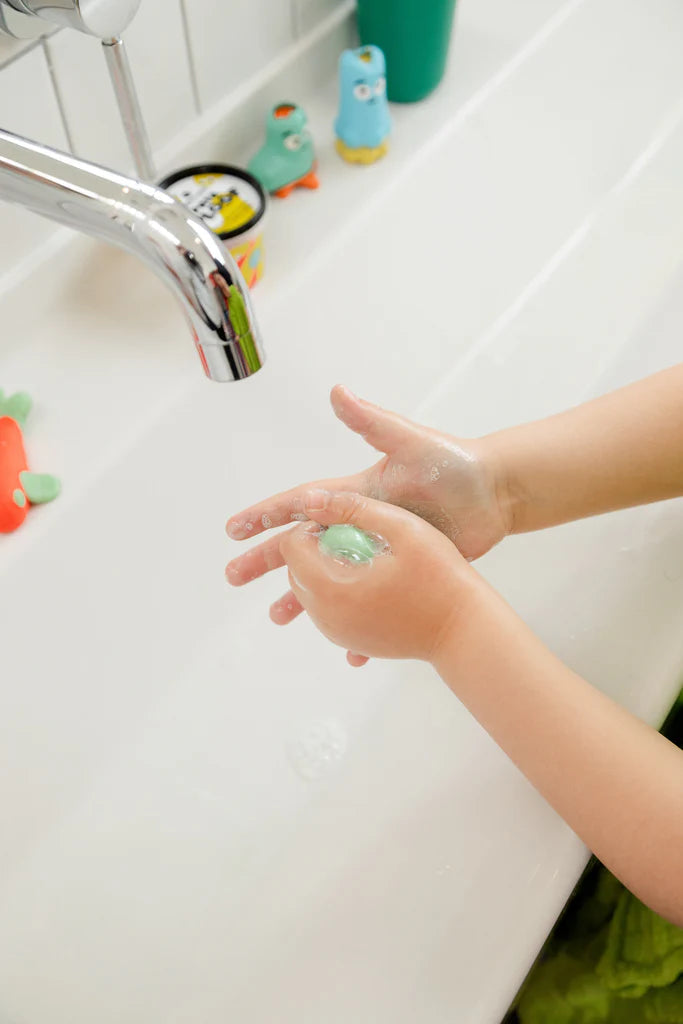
(617,782)
(623,449)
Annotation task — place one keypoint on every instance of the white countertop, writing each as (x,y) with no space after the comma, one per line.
(173,849)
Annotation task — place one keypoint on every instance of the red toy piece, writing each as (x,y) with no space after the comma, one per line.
(19,488)
(13,501)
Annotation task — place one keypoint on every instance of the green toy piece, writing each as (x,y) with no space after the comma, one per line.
(287,159)
(39,487)
(349,542)
(16,406)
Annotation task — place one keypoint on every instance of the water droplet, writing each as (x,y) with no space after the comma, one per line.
(435,474)
(266,521)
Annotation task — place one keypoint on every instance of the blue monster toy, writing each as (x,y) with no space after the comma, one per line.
(363,123)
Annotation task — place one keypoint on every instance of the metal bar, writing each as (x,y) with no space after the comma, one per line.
(131,114)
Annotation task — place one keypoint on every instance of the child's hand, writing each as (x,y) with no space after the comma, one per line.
(398,606)
(455,488)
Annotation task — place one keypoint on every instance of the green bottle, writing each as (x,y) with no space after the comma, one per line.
(414,35)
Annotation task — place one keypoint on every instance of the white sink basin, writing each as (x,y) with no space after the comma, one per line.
(206,818)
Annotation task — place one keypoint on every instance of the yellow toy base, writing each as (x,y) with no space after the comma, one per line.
(362,155)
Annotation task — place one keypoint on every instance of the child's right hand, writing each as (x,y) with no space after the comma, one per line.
(408,603)
(457,488)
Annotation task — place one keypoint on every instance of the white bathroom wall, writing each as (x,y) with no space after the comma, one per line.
(185,54)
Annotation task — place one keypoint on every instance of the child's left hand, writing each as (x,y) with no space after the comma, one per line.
(399,606)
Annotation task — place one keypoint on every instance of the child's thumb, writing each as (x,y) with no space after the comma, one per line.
(384,430)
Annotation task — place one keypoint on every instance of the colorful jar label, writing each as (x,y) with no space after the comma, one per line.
(226,203)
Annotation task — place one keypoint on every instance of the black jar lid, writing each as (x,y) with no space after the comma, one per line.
(206,200)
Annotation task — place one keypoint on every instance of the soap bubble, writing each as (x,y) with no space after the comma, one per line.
(317,748)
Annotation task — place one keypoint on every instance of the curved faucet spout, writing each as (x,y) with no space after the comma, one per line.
(154,226)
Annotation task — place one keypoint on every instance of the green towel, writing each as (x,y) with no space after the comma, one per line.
(610,959)
(627,969)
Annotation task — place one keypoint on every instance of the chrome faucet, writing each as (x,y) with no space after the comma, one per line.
(154,226)
(134,215)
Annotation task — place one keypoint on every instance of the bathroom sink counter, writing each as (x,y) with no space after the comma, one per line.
(207,818)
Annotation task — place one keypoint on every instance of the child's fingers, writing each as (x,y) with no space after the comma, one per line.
(356,660)
(282,509)
(386,431)
(285,610)
(254,563)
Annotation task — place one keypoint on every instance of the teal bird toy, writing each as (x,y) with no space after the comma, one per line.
(286,160)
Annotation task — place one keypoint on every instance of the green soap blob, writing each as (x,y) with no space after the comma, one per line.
(19,498)
(349,542)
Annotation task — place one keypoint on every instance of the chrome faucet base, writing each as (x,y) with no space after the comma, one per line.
(104,19)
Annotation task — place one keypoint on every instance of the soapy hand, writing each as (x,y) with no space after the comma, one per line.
(455,487)
(400,605)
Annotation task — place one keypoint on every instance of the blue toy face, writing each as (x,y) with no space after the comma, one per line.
(363,111)
(370,91)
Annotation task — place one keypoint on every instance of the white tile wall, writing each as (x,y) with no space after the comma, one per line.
(87,99)
(308,13)
(185,54)
(232,40)
(27,106)
(10,48)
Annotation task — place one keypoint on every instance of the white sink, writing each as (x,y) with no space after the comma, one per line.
(207,818)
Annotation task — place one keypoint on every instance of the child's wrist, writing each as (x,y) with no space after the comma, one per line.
(509,492)
(471,612)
